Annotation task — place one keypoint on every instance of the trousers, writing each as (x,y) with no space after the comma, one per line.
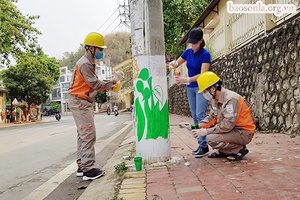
(83,114)
(231,142)
(198,106)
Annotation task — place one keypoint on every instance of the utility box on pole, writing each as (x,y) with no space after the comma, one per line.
(150,82)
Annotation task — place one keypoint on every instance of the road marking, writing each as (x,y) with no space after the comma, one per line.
(111,123)
(44,190)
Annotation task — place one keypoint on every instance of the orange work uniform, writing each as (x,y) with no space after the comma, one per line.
(83,89)
(230,125)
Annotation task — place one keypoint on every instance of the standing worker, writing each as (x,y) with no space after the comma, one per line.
(83,89)
(198,60)
(230,125)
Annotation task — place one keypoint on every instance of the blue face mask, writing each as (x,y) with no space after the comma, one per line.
(99,55)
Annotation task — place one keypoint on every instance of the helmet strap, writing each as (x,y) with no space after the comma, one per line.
(93,54)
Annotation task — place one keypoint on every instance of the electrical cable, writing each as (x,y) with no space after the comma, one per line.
(111,23)
(108,18)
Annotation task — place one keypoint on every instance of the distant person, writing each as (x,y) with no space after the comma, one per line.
(115,107)
(230,125)
(7,116)
(198,60)
(83,89)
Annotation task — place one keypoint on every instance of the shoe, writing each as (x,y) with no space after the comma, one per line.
(92,174)
(79,172)
(196,150)
(239,155)
(201,152)
(217,155)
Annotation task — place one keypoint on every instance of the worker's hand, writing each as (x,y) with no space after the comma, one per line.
(118,75)
(182,80)
(199,132)
(173,64)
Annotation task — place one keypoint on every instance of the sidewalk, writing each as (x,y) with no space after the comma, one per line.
(271,171)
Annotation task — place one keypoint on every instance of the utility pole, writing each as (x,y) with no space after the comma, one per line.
(150,94)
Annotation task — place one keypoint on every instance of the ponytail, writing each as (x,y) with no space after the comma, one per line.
(202,45)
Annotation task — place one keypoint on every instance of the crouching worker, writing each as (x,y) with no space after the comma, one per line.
(230,125)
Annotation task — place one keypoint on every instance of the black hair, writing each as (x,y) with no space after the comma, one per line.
(202,45)
(218,85)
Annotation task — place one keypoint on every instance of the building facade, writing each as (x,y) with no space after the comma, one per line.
(257,55)
(60,92)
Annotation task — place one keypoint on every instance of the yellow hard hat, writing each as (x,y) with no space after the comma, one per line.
(206,79)
(94,39)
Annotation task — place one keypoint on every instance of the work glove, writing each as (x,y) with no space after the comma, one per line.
(118,75)
(173,64)
(182,80)
(199,132)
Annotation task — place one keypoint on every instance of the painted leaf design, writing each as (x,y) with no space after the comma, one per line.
(140,119)
(144,74)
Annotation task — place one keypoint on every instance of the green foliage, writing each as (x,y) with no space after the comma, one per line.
(16,31)
(101,97)
(18,112)
(293,135)
(54,106)
(70,59)
(179,16)
(32,78)
(121,168)
(118,47)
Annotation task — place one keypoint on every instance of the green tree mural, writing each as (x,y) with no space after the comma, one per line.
(151,112)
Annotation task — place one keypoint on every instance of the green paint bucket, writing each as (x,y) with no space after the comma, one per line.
(138,163)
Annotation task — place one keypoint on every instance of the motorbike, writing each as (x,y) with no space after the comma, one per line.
(116,112)
(57,116)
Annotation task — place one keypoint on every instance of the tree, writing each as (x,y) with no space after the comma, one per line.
(70,59)
(16,31)
(179,16)
(32,78)
(118,47)
(54,106)
(101,98)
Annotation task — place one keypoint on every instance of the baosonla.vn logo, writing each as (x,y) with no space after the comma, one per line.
(259,7)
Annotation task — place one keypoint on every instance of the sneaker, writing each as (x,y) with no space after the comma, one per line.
(79,172)
(92,174)
(201,152)
(196,150)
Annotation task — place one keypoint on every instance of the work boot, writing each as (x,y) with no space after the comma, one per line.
(201,152)
(92,174)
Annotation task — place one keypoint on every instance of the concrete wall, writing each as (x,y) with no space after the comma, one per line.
(267,73)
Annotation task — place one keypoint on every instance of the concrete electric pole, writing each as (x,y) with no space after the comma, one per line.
(150,81)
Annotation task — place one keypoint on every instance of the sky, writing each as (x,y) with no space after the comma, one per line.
(65,23)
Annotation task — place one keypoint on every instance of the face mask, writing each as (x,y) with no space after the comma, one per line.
(99,55)
(208,96)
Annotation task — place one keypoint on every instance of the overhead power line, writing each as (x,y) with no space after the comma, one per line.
(123,16)
(108,19)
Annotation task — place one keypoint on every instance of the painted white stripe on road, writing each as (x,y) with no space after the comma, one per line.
(44,190)
(111,123)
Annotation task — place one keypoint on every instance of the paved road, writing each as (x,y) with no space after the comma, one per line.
(33,154)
